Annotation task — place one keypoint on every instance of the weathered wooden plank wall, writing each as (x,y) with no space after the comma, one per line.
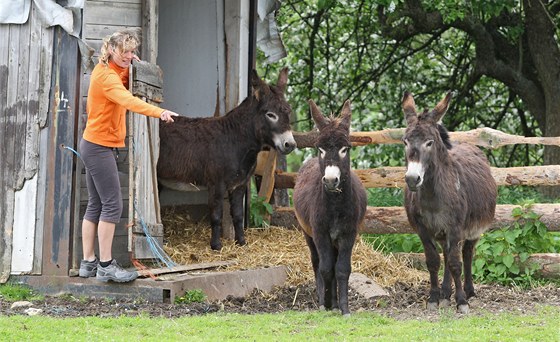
(25,60)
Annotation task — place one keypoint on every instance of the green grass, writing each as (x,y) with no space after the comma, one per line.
(16,292)
(289,326)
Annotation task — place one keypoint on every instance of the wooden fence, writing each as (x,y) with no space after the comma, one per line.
(383,220)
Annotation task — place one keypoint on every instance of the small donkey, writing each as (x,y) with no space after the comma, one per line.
(330,203)
(450,198)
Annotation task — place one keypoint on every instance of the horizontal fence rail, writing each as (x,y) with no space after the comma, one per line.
(393,177)
(483,137)
(387,220)
(392,220)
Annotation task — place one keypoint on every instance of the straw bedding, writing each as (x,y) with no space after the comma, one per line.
(187,242)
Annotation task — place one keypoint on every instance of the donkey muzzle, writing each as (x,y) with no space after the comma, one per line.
(285,142)
(413,182)
(331,184)
(414,176)
(331,178)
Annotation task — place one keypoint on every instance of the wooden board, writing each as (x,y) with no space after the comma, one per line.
(113,12)
(266,166)
(144,208)
(185,268)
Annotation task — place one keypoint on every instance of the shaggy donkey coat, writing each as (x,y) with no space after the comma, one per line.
(221,152)
(450,198)
(330,203)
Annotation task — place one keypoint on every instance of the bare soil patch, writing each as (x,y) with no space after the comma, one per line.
(404,302)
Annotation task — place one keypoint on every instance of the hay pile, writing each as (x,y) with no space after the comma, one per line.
(189,243)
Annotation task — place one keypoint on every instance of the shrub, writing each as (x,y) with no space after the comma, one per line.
(502,254)
(191,296)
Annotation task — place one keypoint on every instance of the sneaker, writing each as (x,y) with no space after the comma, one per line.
(88,268)
(115,272)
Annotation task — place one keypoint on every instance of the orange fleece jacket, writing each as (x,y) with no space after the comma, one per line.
(107,102)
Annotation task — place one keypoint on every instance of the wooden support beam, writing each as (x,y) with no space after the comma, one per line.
(266,165)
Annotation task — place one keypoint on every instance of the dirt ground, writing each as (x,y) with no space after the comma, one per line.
(187,243)
(404,302)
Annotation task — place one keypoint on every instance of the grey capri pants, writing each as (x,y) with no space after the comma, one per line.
(102,178)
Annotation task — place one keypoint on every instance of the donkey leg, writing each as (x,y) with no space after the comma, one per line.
(446,283)
(342,270)
(326,266)
(319,284)
(236,211)
(433,264)
(468,254)
(455,265)
(216,206)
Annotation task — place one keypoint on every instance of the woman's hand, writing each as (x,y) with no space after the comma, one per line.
(168,115)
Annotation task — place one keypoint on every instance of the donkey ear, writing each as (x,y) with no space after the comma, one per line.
(282,79)
(441,108)
(346,115)
(259,87)
(409,108)
(318,117)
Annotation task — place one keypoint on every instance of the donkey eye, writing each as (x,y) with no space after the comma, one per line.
(405,142)
(342,152)
(429,143)
(322,152)
(272,116)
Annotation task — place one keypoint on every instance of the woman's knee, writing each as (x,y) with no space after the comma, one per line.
(112,210)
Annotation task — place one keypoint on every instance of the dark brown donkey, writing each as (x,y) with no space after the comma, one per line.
(330,203)
(221,152)
(450,198)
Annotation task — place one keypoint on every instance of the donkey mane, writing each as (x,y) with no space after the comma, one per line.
(444,134)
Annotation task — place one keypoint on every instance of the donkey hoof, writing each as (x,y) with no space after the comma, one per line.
(463,308)
(240,242)
(322,308)
(432,306)
(216,246)
(346,315)
(444,303)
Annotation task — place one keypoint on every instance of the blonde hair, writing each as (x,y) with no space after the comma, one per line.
(120,41)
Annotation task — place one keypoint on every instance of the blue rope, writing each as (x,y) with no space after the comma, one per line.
(71,149)
(155,247)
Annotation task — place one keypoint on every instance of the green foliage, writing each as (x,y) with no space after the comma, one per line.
(191,296)
(502,255)
(385,197)
(260,210)
(394,243)
(15,292)
(522,195)
(336,51)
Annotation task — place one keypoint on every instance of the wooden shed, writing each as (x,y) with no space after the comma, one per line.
(205,49)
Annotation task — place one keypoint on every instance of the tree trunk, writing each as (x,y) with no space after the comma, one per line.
(545,53)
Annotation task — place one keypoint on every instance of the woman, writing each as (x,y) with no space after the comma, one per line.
(107,103)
